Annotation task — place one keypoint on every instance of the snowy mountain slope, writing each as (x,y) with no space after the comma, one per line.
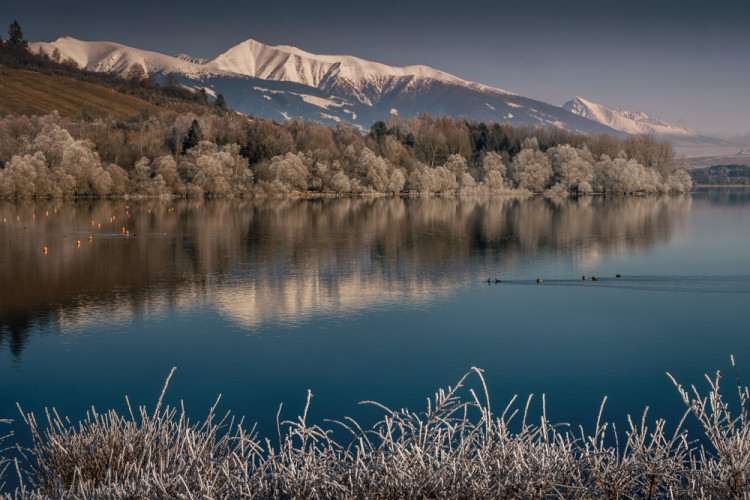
(117,58)
(630,122)
(285,82)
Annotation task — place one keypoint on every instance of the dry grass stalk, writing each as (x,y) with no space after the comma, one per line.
(457,448)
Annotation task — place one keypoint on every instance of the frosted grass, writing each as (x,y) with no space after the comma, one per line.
(456,448)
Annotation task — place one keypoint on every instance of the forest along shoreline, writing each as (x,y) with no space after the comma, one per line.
(159,154)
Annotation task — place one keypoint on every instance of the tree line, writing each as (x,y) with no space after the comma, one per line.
(230,154)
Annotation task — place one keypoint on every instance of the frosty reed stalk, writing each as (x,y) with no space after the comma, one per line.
(456,448)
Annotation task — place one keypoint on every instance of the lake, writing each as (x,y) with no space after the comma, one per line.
(381,299)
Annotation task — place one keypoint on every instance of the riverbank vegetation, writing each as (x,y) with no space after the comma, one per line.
(722,175)
(229,154)
(457,448)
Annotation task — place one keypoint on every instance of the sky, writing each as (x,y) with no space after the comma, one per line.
(682,61)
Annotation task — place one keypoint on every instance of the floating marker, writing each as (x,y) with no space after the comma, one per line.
(92,223)
(46,214)
(45,250)
(100,226)
(33,216)
(78,243)
(91,238)
(123,229)
(18,217)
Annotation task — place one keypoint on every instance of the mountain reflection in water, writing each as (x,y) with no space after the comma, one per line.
(282,260)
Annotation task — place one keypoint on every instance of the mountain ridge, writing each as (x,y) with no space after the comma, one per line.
(283,82)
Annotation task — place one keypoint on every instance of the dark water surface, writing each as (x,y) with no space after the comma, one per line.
(371,299)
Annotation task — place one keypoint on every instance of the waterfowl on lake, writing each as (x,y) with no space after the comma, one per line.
(584,277)
(498,281)
(539,280)
(618,275)
(594,278)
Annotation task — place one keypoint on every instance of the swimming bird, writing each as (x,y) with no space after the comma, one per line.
(498,281)
(594,278)
(584,277)
(618,276)
(539,280)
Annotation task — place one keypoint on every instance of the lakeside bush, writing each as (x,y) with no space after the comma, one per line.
(231,155)
(456,448)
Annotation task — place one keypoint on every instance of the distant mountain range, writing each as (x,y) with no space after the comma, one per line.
(281,82)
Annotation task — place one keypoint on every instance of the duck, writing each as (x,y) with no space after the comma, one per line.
(594,278)
(539,280)
(584,277)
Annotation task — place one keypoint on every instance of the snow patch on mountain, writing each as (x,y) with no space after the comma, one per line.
(630,122)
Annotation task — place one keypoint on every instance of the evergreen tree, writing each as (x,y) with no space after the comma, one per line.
(220,102)
(193,136)
(15,34)
(378,130)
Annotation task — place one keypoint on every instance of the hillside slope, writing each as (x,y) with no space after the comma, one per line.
(23,91)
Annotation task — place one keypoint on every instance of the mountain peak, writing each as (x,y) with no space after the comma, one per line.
(630,122)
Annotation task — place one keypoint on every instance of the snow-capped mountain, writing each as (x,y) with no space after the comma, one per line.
(280,82)
(630,122)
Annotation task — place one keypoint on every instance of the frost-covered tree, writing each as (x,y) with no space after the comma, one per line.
(530,168)
(571,172)
(290,170)
(494,170)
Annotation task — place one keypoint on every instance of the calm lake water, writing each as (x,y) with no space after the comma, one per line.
(371,299)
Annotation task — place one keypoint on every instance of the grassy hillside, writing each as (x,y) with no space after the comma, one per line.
(29,92)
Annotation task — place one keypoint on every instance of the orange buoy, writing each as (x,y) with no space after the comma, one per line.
(46,214)
(45,249)
(78,243)
(33,216)
(91,238)
(92,223)
(127,207)
(100,226)
(123,229)
(149,210)
(127,233)
(18,217)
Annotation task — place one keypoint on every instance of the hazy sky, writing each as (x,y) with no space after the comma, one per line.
(682,61)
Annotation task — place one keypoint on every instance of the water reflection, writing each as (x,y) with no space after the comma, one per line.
(281,260)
